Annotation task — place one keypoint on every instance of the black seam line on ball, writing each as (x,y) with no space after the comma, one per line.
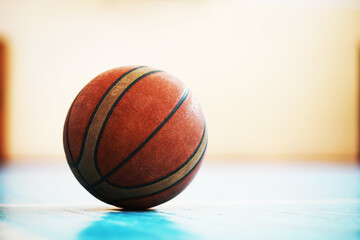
(168,175)
(178,181)
(93,190)
(71,163)
(68,144)
(87,183)
(109,114)
(95,110)
(132,154)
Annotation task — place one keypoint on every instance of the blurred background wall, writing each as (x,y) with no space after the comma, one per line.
(276,79)
(3,99)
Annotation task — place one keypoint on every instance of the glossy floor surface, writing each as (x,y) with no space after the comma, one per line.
(229,201)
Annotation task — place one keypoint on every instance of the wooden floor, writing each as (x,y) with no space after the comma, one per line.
(238,201)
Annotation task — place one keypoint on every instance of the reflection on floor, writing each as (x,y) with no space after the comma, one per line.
(224,202)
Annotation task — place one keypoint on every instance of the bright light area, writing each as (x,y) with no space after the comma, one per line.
(275,80)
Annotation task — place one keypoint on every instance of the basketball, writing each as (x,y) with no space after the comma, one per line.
(135,137)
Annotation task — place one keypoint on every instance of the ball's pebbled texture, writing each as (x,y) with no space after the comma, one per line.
(134,137)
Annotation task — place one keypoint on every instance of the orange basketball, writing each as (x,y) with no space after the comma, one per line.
(134,137)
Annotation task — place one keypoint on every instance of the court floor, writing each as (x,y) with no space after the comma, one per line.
(225,201)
